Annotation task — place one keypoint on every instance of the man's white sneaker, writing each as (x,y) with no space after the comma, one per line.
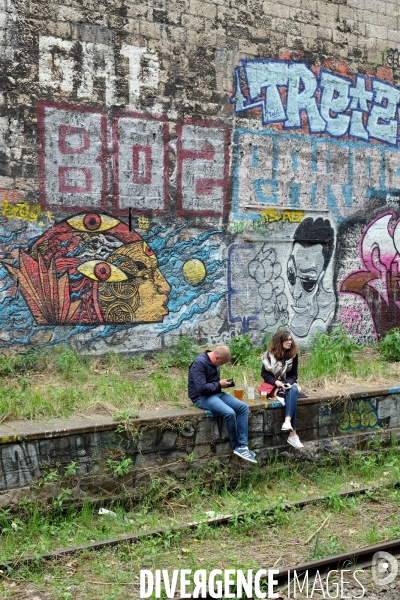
(294,441)
(287,427)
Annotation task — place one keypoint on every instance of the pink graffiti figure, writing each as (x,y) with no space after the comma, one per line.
(377,283)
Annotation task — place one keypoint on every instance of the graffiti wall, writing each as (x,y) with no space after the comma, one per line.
(197,170)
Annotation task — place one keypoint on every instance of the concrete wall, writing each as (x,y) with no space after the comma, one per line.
(176,444)
(205,168)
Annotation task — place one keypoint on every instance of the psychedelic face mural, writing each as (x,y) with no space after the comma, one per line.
(90,269)
(312,249)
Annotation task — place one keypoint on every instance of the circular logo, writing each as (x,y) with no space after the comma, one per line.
(384,568)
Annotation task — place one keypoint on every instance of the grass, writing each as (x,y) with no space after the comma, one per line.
(39,384)
(166,504)
(254,542)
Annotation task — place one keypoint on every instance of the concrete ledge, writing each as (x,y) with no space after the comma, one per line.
(22,430)
(171,443)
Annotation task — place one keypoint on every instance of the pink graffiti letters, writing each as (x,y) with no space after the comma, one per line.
(378,281)
(74,162)
(351,319)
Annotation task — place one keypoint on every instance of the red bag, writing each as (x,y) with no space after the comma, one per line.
(269,388)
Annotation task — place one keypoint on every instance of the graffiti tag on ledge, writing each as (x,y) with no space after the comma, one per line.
(11,196)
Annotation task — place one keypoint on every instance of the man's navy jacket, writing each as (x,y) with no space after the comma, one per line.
(203,377)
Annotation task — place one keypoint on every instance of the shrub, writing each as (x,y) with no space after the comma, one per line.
(242,349)
(389,346)
(183,352)
(266,340)
(23,362)
(331,353)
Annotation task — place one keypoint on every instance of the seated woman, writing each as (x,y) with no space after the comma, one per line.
(279,369)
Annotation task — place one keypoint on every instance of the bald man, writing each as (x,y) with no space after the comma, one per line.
(205,391)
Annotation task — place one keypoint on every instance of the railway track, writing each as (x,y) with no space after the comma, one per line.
(217,521)
(369,557)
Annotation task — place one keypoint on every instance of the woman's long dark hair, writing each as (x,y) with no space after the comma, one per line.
(276,346)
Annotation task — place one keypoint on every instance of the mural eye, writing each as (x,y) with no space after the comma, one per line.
(143,271)
(308,284)
(148,251)
(102,271)
(99,270)
(93,222)
(140,266)
(291,277)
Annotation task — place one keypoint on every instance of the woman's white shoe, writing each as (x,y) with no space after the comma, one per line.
(294,441)
(287,426)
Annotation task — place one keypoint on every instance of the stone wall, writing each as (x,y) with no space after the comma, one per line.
(182,167)
(34,456)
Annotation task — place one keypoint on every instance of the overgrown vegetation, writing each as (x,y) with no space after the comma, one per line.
(59,382)
(331,354)
(389,346)
(246,542)
(39,383)
(119,467)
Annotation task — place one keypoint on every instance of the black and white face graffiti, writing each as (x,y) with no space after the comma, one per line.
(312,249)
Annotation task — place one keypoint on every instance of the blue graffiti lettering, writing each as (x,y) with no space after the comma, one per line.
(301,97)
(359,98)
(288,91)
(310,173)
(335,100)
(381,122)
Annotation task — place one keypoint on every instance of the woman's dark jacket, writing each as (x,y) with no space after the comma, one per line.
(291,376)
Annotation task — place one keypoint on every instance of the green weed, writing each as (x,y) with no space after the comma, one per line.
(183,352)
(125,415)
(242,349)
(240,346)
(136,363)
(389,346)
(63,497)
(119,467)
(69,363)
(326,546)
(22,363)
(71,470)
(28,360)
(372,536)
(334,501)
(279,514)
(6,365)
(50,476)
(331,354)
(266,340)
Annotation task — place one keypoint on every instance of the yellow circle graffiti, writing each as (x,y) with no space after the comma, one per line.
(194,271)
(359,414)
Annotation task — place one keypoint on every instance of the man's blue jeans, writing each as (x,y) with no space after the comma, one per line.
(235,413)
(291,404)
